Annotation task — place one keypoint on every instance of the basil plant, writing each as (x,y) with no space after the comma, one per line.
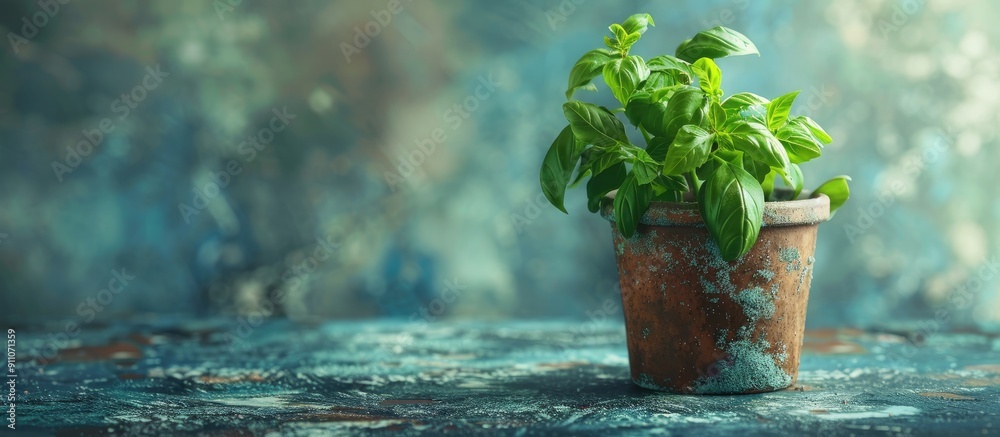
(726,152)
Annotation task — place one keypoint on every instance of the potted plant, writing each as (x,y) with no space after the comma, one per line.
(714,260)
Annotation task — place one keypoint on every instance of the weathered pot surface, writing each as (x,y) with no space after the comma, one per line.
(699,324)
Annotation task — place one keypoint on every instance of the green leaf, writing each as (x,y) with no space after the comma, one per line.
(606,158)
(664,94)
(678,71)
(837,190)
(623,76)
(732,204)
(817,131)
(715,43)
(754,139)
(586,69)
(717,115)
(795,181)
(709,76)
(638,23)
(799,141)
(667,62)
(603,183)
(669,188)
(672,80)
(612,44)
(768,184)
(557,167)
(705,171)
(689,150)
(594,124)
(723,139)
(657,148)
(645,167)
(739,101)
(661,194)
(778,110)
(651,116)
(656,79)
(582,173)
(687,106)
(637,106)
(630,40)
(619,32)
(583,169)
(758,170)
(671,182)
(631,202)
(746,106)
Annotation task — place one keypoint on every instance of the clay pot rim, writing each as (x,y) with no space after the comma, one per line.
(808,211)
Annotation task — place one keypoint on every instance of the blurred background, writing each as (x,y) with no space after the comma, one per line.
(335,159)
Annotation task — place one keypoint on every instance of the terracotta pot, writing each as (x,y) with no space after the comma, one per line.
(699,324)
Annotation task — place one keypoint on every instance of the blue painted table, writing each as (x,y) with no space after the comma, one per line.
(524,378)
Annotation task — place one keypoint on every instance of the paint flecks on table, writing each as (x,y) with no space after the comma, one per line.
(508,378)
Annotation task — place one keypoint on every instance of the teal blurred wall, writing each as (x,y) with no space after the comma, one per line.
(278,162)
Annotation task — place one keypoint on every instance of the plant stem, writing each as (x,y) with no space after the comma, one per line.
(694,182)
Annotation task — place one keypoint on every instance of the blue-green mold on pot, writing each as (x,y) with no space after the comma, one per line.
(699,324)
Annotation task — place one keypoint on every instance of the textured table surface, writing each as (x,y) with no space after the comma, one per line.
(524,378)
